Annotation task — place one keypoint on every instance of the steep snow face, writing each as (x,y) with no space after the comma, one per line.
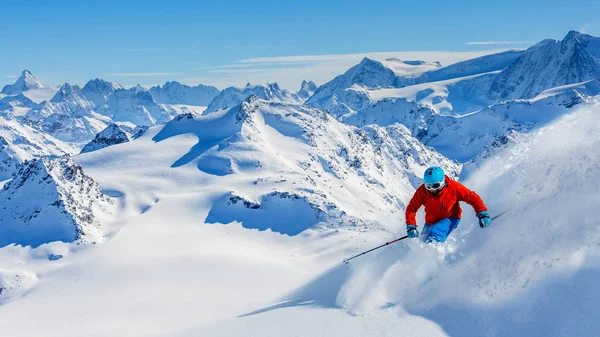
(233,96)
(52,200)
(307,89)
(136,106)
(519,273)
(176,93)
(549,64)
(98,91)
(20,142)
(24,83)
(114,134)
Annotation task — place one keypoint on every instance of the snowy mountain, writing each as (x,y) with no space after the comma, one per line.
(464,137)
(286,281)
(112,135)
(68,116)
(173,92)
(391,73)
(233,96)
(52,200)
(11,104)
(549,64)
(24,83)
(136,106)
(296,168)
(29,86)
(352,91)
(98,91)
(307,89)
(20,142)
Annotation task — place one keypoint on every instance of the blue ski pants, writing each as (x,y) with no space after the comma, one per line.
(439,231)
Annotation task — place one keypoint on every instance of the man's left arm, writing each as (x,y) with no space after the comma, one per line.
(473,199)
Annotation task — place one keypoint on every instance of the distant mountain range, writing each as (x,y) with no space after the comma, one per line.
(465,111)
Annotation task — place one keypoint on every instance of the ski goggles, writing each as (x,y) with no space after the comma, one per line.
(435,186)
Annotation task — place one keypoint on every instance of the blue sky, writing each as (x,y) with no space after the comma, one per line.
(149,42)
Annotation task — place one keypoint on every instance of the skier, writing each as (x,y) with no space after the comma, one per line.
(441,195)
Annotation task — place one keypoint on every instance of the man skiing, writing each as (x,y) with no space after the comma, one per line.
(441,196)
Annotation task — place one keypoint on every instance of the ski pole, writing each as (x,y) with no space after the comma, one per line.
(501,214)
(346,261)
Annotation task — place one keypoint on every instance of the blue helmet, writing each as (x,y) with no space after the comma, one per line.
(434,174)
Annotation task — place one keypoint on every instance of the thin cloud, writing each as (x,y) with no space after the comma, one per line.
(256,46)
(592,28)
(444,57)
(139,74)
(9,76)
(497,42)
(289,71)
(147,49)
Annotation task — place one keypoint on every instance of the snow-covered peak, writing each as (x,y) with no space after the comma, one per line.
(549,64)
(97,91)
(368,72)
(25,82)
(307,89)
(114,134)
(68,92)
(233,96)
(51,199)
(137,106)
(173,92)
(17,101)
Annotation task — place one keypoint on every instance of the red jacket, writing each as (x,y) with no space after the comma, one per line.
(444,204)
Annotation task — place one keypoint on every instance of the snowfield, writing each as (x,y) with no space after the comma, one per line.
(167,273)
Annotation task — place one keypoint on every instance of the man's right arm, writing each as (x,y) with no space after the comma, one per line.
(413,206)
